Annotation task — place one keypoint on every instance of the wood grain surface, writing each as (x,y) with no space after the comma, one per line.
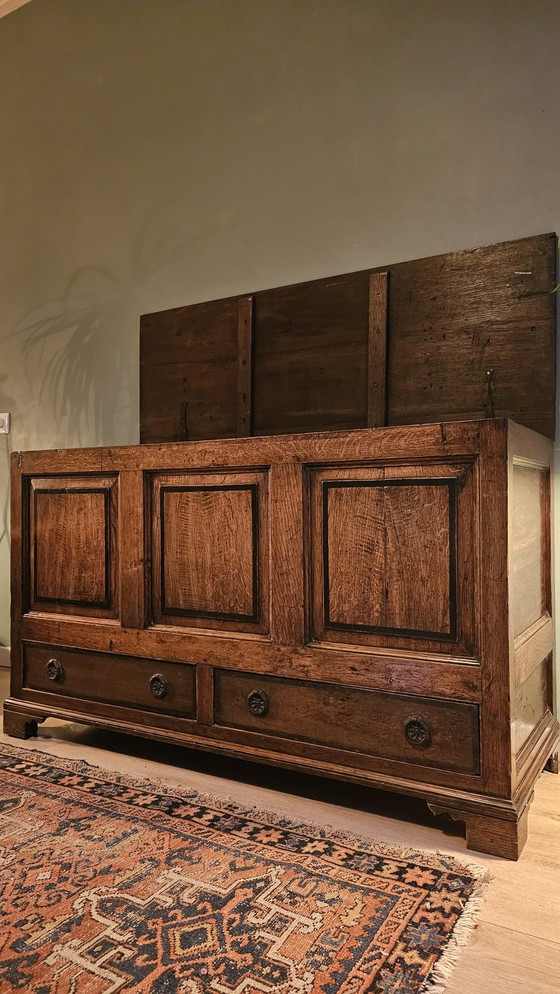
(342,353)
(378,331)
(346,718)
(73,554)
(208,551)
(119,680)
(361,581)
(387,555)
(394,556)
(189,372)
(209,537)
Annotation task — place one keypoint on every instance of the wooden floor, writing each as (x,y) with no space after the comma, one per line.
(516,947)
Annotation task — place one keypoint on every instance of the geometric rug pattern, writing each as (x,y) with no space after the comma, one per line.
(110,885)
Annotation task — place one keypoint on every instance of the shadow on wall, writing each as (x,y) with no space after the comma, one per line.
(79,352)
(73,361)
(7,403)
(76,366)
(78,369)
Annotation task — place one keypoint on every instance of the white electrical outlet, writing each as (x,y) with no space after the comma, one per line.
(5,424)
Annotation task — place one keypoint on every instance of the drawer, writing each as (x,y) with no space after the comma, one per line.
(416,730)
(148,684)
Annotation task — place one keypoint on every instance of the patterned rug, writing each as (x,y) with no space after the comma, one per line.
(109,884)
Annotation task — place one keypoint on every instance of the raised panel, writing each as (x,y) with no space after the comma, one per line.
(388,562)
(210,563)
(529,541)
(72,546)
(209,551)
(420,556)
(531,702)
(354,553)
(384,547)
(83,514)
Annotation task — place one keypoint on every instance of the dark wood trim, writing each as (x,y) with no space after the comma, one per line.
(287,564)
(493,594)
(19,578)
(205,694)
(378,326)
(546,551)
(132,549)
(244,366)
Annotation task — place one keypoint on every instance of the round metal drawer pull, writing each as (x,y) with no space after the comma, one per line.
(54,670)
(418,732)
(159,686)
(257,702)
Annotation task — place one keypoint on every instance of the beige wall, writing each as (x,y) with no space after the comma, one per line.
(158,152)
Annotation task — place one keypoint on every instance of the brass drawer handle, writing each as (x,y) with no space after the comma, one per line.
(257,702)
(159,686)
(54,670)
(418,732)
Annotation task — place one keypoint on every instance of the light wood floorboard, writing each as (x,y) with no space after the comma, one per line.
(517,944)
(500,961)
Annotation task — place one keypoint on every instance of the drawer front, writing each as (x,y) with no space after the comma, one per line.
(152,685)
(406,729)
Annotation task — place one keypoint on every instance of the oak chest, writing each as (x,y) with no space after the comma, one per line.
(370,605)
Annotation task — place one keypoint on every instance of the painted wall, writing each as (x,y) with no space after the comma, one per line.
(158,152)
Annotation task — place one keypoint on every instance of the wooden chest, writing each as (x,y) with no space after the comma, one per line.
(371,605)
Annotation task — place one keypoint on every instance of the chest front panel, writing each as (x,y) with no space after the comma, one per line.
(393,556)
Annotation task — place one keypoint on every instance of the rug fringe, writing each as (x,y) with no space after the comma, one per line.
(440,975)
